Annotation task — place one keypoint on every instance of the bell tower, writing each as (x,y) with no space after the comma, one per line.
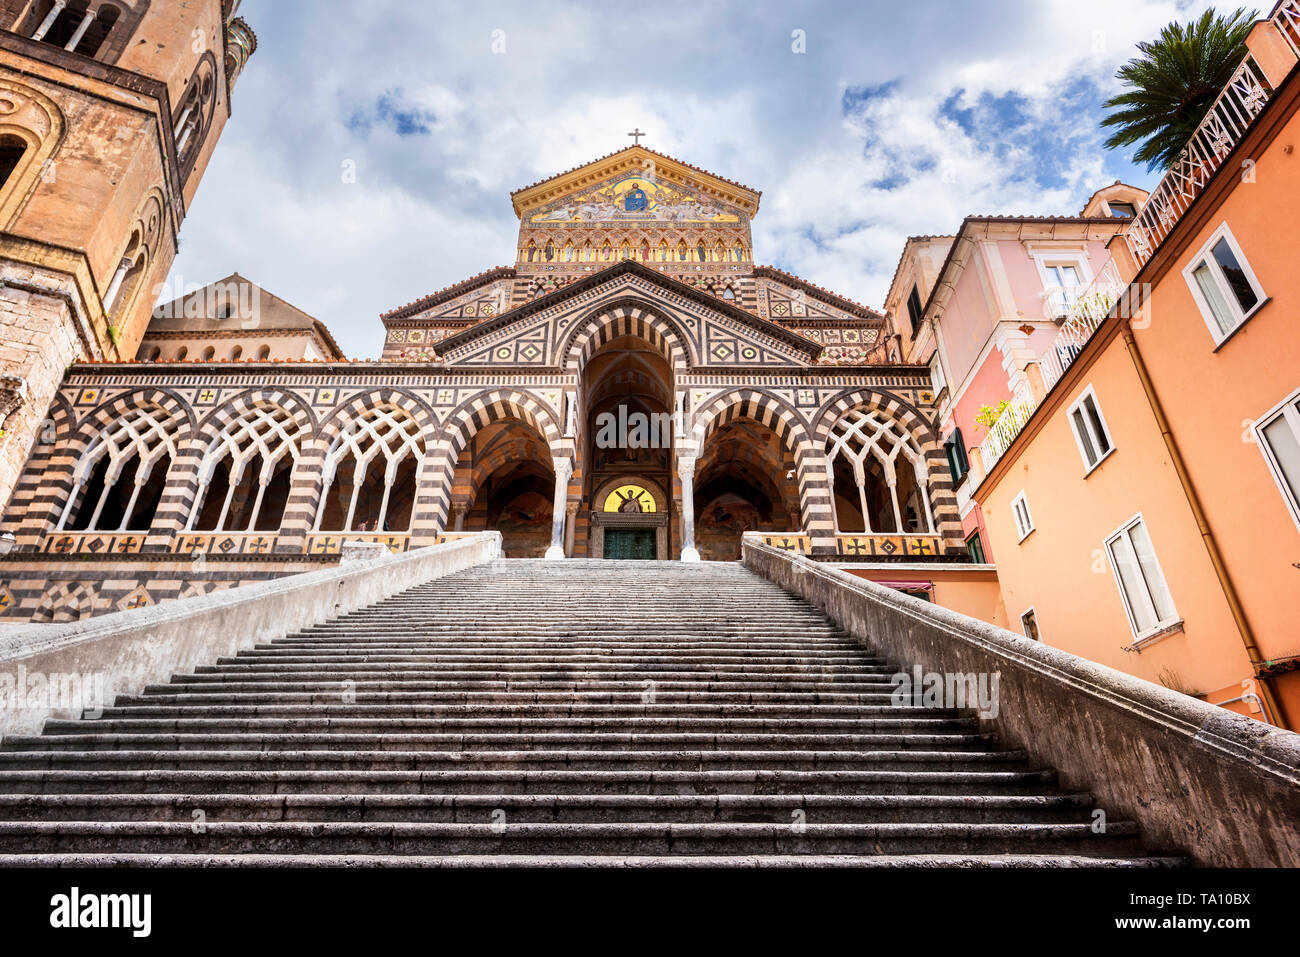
(109,113)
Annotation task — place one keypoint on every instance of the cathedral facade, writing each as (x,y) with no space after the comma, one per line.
(633,386)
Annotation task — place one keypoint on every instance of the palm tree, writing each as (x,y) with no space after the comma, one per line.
(1173,84)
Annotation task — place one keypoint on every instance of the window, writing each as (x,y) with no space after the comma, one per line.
(1029,625)
(975,549)
(1122,210)
(1223,285)
(914,308)
(937,379)
(1141,583)
(955,448)
(1062,283)
(1278,435)
(1090,430)
(1024,521)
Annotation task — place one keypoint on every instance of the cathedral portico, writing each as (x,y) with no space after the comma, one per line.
(640,406)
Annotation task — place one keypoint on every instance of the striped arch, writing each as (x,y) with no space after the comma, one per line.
(625,317)
(779,416)
(183,499)
(338,420)
(31,506)
(71,461)
(484,408)
(891,408)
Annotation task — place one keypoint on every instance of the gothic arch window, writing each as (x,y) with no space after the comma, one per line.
(245,476)
(700,253)
(194,116)
(663,250)
(119,482)
(125,282)
(879,476)
(606,251)
(370,474)
(740,253)
(588,252)
(682,252)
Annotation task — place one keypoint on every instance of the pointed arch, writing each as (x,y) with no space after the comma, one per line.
(887,407)
(130,446)
(624,317)
(460,426)
(791,429)
(246,472)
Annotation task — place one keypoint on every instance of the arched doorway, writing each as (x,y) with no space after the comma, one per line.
(744,482)
(505,482)
(626,449)
(630,520)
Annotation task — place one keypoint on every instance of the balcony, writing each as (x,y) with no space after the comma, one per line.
(1084,313)
(1243,99)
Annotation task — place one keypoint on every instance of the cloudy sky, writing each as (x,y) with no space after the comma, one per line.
(898,119)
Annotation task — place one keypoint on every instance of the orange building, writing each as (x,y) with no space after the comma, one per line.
(1143,499)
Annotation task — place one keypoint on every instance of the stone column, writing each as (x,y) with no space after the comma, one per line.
(571,528)
(81,30)
(686,473)
(48,22)
(563,469)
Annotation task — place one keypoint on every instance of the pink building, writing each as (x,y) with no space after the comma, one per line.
(984,309)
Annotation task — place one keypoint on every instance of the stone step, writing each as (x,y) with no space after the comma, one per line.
(571,861)
(452,656)
(575,697)
(558,681)
(148,837)
(418,708)
(539,759)
(519,724)
(591,664)
(552,808)
(487,741)
(588,712)
(283,780)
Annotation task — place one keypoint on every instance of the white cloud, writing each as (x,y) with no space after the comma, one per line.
(716,85)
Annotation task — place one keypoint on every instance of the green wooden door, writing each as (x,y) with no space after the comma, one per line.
(630,543)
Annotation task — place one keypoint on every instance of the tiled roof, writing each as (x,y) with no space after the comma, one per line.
(814,288)
(496,272)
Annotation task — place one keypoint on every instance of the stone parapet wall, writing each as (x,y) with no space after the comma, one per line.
(1217,785)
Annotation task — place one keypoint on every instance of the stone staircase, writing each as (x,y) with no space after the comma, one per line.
(530,712)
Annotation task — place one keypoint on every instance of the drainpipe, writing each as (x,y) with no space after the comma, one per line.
(1203,525)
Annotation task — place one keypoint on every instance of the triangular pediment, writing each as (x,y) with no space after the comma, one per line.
(669,191)
(711,332)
